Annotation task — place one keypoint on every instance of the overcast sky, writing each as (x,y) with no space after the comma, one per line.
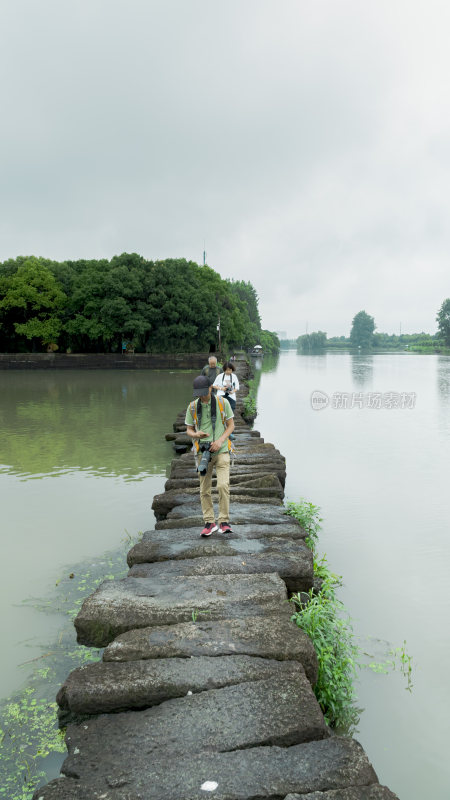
(307,141)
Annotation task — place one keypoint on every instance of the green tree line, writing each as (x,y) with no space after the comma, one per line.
(363,335)
(94,305)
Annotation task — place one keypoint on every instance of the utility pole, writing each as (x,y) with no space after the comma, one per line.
(204,252)
(220,341)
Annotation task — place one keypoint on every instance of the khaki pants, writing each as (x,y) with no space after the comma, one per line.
(221,462)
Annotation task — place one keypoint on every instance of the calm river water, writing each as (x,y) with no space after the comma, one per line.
(83,453)
(381,478)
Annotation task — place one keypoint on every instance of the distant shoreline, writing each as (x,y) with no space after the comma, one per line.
(442,351)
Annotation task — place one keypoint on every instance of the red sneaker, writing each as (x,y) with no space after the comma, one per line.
(225,527)
(209,528)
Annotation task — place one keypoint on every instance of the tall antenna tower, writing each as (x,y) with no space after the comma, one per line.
(204,253)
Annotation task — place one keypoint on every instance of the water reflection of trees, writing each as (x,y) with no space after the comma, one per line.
(362,368)
(270,362)
(267,363)
(104,423)
(443,377)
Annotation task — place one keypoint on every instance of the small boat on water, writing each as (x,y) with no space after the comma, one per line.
(257,350)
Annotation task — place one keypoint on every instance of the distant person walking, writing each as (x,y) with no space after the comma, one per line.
(212,370)
(227,384)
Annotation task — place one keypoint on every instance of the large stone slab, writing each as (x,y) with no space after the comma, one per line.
(236,479)
(113,686)
(278,468)
(188,515)
(245,715)
(296,569)
(122,605)
(187,468)
(271,636)
(182,543)
(165,502)
(258,456)
(372,792)
(241,513)
(192,506)
(258,773)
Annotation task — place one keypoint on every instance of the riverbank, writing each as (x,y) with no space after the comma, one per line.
(103,360)
(205,683)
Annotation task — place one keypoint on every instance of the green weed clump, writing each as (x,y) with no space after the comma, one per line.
(308,516)
(325,620)
(37,717)
(322,618)
(250,408)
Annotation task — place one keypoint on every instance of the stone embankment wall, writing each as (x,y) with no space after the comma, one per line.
(205,687)
(103,360)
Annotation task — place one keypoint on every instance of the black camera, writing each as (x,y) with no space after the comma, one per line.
(205,459)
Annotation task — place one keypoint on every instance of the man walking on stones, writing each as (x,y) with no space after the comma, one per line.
(212,370)
(209,421)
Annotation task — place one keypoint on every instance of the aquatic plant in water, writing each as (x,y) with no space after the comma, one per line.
(325,620)
(29,734)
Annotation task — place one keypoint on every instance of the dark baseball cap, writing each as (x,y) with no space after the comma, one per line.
(200,386)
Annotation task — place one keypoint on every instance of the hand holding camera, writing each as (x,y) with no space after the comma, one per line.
(205,459)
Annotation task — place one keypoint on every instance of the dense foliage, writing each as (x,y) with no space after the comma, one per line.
(392,341)
(311,342)
(270,342)
(363,326)
(443,321)
(95,305)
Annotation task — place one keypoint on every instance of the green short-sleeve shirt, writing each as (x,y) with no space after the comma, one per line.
(206,424)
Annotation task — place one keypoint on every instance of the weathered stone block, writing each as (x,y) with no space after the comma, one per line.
(165,502)
(240,513)
(256,773)
(113,686)
(122,605)
(272,636)
(372,792)
(246,715)
(296,570)
(236,479)
(181,543)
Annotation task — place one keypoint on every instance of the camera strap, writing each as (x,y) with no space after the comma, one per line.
(232,383)
(213,414)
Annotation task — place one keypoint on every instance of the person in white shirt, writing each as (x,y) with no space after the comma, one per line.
(227,384)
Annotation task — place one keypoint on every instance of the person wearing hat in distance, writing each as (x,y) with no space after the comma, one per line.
(201,426)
